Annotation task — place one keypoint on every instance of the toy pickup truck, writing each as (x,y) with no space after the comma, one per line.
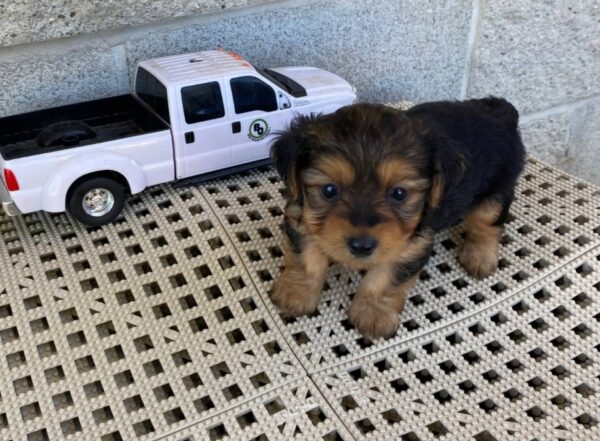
(194,115)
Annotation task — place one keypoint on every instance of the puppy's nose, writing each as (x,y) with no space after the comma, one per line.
(362,246)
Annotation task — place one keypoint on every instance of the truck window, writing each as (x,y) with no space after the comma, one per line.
(152,92)
(250,93)
(202,102)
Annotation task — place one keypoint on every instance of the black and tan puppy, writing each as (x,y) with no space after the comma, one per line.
(369,186)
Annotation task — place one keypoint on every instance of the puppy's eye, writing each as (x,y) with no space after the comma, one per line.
(330,191)
(398,194)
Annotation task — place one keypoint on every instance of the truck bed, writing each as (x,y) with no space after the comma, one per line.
(111,118)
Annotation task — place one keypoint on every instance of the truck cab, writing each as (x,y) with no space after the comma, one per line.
(223,112)
(190,116)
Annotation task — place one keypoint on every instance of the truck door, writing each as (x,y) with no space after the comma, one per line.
(203,141)
(255,117)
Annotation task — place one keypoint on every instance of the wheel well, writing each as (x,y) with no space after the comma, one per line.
(115,176)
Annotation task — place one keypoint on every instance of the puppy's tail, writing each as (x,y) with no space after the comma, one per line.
(500,109)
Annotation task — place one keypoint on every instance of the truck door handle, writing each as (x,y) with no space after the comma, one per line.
(189,137)
(236,127)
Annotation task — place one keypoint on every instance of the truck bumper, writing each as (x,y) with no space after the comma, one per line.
(7,204)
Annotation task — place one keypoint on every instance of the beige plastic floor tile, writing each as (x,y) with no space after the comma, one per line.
(159,326)
(295,411)
(524,368)
(133,329)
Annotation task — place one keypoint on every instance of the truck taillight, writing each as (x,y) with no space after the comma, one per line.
(11,180)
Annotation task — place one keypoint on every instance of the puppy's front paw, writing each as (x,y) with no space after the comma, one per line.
(373,321)
(479,259)
(295,294)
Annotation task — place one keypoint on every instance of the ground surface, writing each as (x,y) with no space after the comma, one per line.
(159,326)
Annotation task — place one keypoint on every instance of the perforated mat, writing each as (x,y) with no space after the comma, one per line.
(159,327)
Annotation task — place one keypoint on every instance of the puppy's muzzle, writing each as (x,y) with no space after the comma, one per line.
(362,246)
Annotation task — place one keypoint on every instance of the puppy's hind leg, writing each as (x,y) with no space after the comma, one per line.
(479,253)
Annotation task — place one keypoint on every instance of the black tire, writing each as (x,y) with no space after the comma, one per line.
(75,201)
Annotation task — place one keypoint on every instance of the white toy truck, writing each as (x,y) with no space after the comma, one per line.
(201,114)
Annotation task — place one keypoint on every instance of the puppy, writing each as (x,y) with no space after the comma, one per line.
(369,186)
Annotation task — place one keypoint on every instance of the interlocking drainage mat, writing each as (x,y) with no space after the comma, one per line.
(159,327)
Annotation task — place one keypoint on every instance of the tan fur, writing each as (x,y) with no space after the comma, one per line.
(293,213)
(331,227)
(297,291)
(330,169)
(294,189)
(396,170)
(437,191)
(415,248)
(375,308)
(396,241)
(479,254)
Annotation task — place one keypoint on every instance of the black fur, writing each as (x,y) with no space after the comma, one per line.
(483,136)
(405,271)
(288,147)
(294,236)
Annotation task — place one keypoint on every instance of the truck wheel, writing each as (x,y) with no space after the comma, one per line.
(96,201)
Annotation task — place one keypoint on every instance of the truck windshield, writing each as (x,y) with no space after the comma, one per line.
(153,93)
(286,83)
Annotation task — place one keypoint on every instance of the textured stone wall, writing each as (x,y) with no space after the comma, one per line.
(544,55)
(381,47)
(27,21)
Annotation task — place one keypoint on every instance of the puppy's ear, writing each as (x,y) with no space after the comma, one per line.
(287,150)
(448,167)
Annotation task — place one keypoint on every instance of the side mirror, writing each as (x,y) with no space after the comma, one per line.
(284,101)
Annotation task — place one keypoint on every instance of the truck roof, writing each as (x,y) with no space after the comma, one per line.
(196,66)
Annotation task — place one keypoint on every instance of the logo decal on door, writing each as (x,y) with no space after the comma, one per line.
(258,129)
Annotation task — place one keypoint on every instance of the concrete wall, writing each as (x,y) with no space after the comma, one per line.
(543,55)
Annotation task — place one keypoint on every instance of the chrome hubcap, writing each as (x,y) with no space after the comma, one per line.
(98,201)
